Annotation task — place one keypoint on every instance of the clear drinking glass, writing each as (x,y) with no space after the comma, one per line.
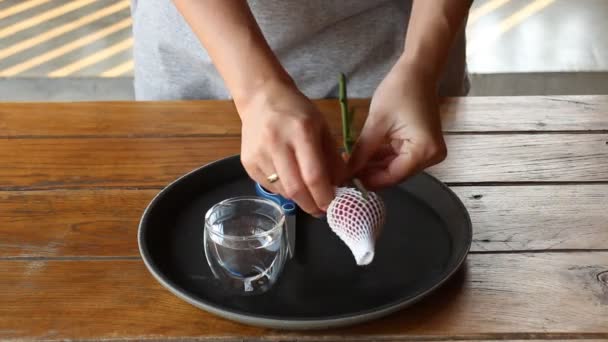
(245,244)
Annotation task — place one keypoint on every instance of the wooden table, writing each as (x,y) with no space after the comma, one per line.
(75,178)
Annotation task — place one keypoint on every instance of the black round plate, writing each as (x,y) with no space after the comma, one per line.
(425,240)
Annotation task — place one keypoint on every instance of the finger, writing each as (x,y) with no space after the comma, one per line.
(336,162)
(378,163)
(383,151)
(407,160)
(275,187)
(400,168)
(371,137)
(259,168)
(292,183)
(313,169)
(366,175)
(381,158)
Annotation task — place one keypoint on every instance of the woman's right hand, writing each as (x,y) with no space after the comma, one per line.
(284,133)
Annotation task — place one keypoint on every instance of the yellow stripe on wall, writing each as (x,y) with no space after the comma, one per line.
(41,38)
(45,57)
(119,70)
(24,6)
(92,59)
(33,21)
(484,9)
(506,25)
(523,14)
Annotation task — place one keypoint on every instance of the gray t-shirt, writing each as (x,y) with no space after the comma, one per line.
(315,40)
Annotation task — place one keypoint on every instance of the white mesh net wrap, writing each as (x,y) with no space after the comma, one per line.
(357,221)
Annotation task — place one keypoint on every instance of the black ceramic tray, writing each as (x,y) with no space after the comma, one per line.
(425,240)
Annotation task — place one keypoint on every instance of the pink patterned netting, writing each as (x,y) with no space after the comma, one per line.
(357,221)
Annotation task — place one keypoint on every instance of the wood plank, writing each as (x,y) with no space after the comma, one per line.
(82,163)
(525,113)
(537,217)
(71,223)
(119,118)
(469,114)
(104,222)
(523,157)
(497,296)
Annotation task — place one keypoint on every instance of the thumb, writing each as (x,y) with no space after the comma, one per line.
(371,138)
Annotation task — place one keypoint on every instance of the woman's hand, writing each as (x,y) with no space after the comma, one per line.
(284,133)
(402,134)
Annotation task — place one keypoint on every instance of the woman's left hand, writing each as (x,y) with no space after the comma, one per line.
(402,134)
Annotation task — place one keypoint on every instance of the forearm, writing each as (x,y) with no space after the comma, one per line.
(235,43)
(432,29)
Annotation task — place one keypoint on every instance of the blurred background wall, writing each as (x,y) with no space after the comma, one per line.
(81,49)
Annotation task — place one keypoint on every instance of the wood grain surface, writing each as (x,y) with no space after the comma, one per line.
(510,218)
(470,114)
(87,162)
(494,294)
(521,113)
(104,222)
(71,223)
(525,158)
(75,178)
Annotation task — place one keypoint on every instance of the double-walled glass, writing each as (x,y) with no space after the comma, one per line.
(245,243)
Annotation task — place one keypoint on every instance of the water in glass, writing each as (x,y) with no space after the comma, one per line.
(245,244)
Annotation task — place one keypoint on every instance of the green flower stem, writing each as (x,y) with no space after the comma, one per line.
(347,118)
